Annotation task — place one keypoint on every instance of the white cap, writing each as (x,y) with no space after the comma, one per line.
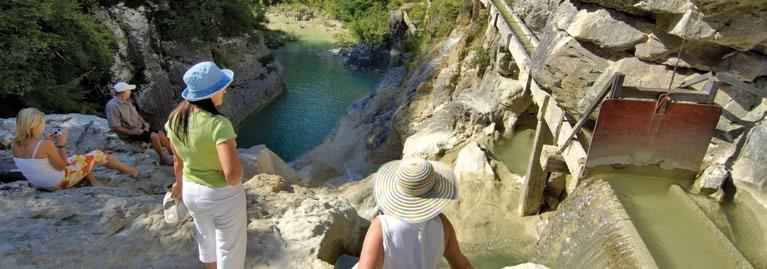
(122,86)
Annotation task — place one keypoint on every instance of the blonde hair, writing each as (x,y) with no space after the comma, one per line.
(27,121)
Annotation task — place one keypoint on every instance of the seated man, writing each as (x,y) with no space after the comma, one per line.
(129,125)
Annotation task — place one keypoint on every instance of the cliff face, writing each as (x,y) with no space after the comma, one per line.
(157,65)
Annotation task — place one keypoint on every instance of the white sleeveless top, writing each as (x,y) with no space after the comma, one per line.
(39,172)
(412,246)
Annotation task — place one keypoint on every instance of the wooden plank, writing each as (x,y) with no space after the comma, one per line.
(551,161)
(535,180)
(615,83)
(739,84)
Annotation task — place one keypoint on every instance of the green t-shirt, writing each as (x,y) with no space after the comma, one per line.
(201,162)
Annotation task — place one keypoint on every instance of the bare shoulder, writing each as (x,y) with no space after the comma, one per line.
(47,147)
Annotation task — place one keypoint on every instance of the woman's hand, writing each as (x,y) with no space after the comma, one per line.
(176,190)
(61,137)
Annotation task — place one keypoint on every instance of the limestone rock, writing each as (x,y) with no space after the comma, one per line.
(472,165)
(444,85)
(637,73)
(744,66)
(750,167)
(643,7)
(92,227)
(564,66)
(259,160)
(656,48)
(741,25)
(711,179)
(534,12)
(157,65)
(608,30)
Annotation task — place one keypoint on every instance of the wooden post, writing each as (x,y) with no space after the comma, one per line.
(535,179)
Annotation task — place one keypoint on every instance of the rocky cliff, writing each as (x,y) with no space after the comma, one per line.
(156,64)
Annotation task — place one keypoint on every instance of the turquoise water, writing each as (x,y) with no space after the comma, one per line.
(318,91)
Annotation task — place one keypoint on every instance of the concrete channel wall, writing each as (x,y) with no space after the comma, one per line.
(591,229)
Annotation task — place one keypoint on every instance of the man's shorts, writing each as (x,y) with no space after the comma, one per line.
(142,137)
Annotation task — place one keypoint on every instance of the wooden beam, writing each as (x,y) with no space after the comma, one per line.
(614,85)
(551,161)
(739,84)
(535,179)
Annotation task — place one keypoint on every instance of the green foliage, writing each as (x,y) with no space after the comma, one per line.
(372,27)
(54,56)
(481,59)
(203,21)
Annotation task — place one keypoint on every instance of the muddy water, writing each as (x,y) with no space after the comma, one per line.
(515,152)
(674,234)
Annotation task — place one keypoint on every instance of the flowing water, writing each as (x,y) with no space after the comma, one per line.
(667,221)
(318,90)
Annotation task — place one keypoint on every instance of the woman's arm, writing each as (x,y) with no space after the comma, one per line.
(230,161)
(178,171)
(56,153)
(453,253)
(372,255)
(56,156)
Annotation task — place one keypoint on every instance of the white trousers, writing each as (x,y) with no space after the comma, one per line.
(220,222)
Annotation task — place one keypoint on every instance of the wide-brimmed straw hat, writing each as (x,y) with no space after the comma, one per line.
(414,190)
(204,80)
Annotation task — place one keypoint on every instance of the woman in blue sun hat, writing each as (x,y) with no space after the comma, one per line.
(208,170)
(411,231)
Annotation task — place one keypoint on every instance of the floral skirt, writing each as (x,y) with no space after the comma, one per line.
(79,165)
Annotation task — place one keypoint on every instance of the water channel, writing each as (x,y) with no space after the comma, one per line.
(318,91)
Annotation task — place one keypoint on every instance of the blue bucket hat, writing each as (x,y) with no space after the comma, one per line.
(205,79)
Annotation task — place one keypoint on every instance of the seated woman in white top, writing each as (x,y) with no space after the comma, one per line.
(412,232)
(44,162)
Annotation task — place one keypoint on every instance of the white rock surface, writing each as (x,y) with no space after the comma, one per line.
(259,159)
(108,227)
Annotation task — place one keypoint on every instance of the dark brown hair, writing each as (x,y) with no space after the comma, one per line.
(179,118)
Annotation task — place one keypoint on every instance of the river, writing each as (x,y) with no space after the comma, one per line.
(318,90)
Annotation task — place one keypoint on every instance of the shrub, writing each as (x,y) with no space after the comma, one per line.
(55,56)
(203,21)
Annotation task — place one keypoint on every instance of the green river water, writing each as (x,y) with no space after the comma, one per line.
(318,91)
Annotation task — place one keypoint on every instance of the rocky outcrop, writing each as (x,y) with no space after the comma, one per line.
(750,168)
(260,160)
(584,42)
(157,65)
(288,227)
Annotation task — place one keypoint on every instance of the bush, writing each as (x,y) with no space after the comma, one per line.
(372,27)
(202,21)
(482,59)
(55,57)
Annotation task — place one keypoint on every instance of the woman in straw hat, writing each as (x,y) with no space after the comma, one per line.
(44,161)
(208,170)
(412,232)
